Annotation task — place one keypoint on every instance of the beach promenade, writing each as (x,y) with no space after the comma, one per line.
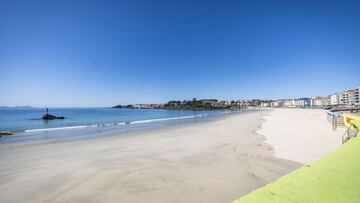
(215,161)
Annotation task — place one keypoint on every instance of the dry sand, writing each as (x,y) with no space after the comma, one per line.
(214,161)
(301,135)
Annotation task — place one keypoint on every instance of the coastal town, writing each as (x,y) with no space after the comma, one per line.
(346,100)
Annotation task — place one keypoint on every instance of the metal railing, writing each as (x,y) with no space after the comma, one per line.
(335,121)
(350,132)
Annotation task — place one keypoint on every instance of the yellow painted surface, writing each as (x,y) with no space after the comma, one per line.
(348,117)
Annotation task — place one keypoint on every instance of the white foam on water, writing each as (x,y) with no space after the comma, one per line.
(74,127)
(163,119)
(113,124)
(59,128)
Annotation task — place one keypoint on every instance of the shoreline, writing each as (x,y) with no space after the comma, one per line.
(119,134)
(99,131)
(77,118)
(214,161)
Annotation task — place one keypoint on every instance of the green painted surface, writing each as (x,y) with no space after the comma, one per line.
(333,178)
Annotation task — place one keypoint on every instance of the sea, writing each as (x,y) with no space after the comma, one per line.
(27,125)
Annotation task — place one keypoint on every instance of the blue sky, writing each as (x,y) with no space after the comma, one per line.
(102,53)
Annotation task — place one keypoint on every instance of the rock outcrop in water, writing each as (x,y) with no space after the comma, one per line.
(48,116)
(4,133)
(51,117)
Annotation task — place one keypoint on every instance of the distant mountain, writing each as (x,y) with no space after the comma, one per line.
(16,107)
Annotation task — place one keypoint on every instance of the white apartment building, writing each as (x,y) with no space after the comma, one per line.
(274,104)
(300,103)
(265,104)
(317,101)
(346,98)
(334,99)
(289,103)
(356,96)
(324,101)
(327,101)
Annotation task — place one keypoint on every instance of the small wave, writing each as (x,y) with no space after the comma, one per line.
(59,128)
(163,119)
(74,127)
(112,124)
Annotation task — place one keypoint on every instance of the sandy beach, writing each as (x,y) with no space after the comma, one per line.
(214,161)
(301,135)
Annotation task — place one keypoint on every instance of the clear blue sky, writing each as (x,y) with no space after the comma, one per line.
(102,53)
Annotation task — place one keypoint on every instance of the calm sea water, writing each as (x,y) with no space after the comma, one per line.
(80,122)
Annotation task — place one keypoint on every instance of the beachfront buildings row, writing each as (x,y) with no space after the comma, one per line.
(345,99)
(291,103)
